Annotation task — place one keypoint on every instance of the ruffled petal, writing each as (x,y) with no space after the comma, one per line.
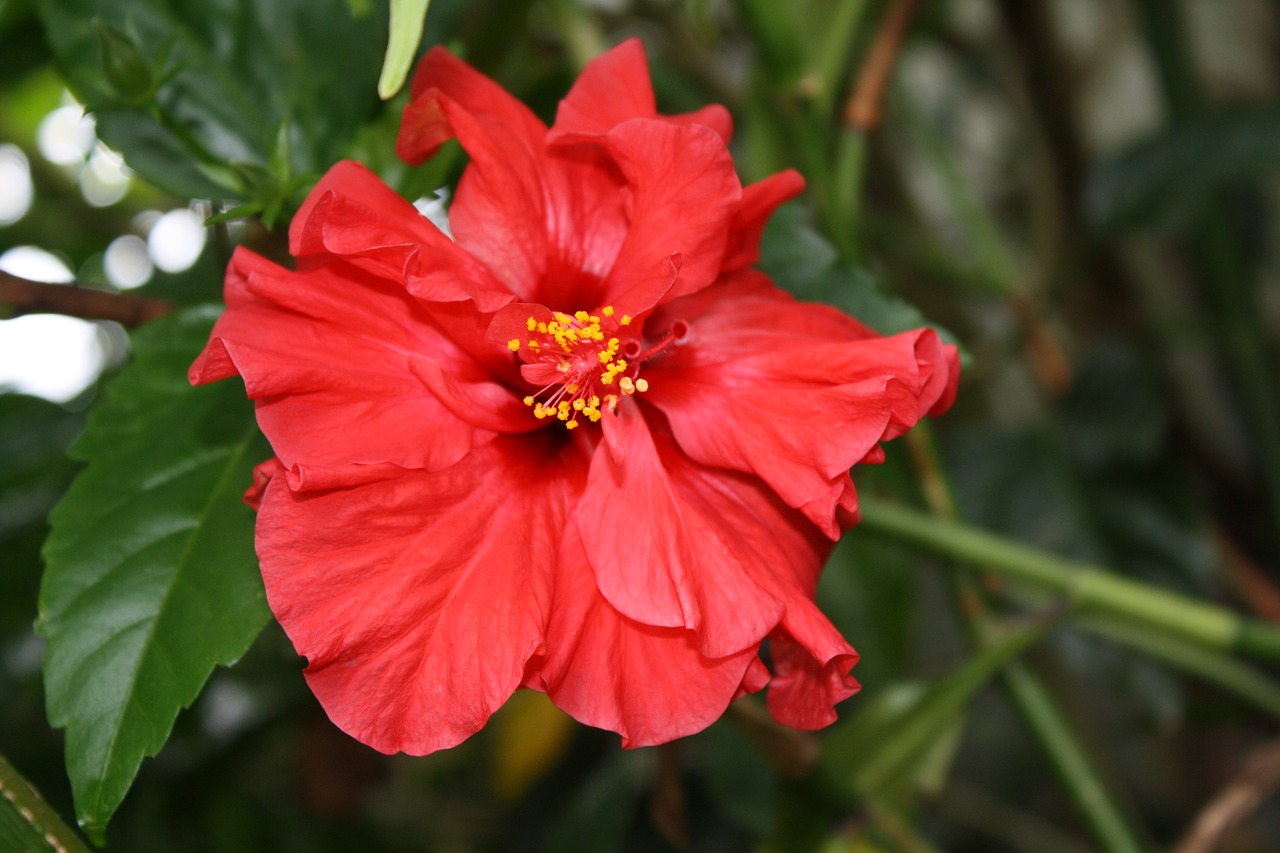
(684,195)
(791,392)
(714,116)
(660,555)
(805,688)
(351,215)
(417,601)
(499,211)
(615,87)
(759,201)
(783,553)
(335,361)
(651,685)
(424,128)
(549,226)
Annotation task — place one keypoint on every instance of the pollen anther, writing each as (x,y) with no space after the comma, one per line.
(583,352)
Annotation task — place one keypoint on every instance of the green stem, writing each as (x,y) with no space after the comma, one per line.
(1032,698)
(1209,664)
(1069,758)
(1085,587)
(843,217)
(27,822)
(836,47)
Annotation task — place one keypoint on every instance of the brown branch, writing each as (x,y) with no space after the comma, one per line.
(1256,590)
(1258,779)
(866,101)
(24,296)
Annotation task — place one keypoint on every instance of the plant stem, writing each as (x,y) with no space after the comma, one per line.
(1028,692)
(27,820)
(1069,758)
(23,296)
(1086,588)
(866,101)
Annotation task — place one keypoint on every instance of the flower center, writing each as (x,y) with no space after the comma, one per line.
(583,362)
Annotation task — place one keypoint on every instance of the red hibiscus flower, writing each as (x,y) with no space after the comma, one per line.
(584,449)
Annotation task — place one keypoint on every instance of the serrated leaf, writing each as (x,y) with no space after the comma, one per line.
(231,74)
(150,576)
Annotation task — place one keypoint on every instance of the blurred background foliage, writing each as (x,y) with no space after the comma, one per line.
(1082,192)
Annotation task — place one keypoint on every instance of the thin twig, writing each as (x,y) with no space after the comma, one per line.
(1258,779)
(1257,591)
(23,296)
(865,104)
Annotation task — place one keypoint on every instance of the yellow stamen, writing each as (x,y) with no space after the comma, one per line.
(581,356)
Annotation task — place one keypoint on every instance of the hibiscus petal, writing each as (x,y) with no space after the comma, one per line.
(804,688)
(811,660)
(351,214)
(684,194)
(759,201)
(418,601)
(330,359)
(499,211)
(424,129)
(650,685)
(615,87)
(659,555)
(791,393)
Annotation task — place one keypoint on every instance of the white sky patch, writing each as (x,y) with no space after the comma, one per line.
(127,263)
(105,180)
(176,240)
(66,136)
(16,189)
(47,355)
(436,208)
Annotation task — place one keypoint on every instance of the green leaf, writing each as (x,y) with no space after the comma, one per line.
(227,75)
(26,822)
(800,260)
(407,18)
(151,579)
(1167,180)
(123,64)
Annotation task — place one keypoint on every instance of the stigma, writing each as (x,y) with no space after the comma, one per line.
(581,362)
